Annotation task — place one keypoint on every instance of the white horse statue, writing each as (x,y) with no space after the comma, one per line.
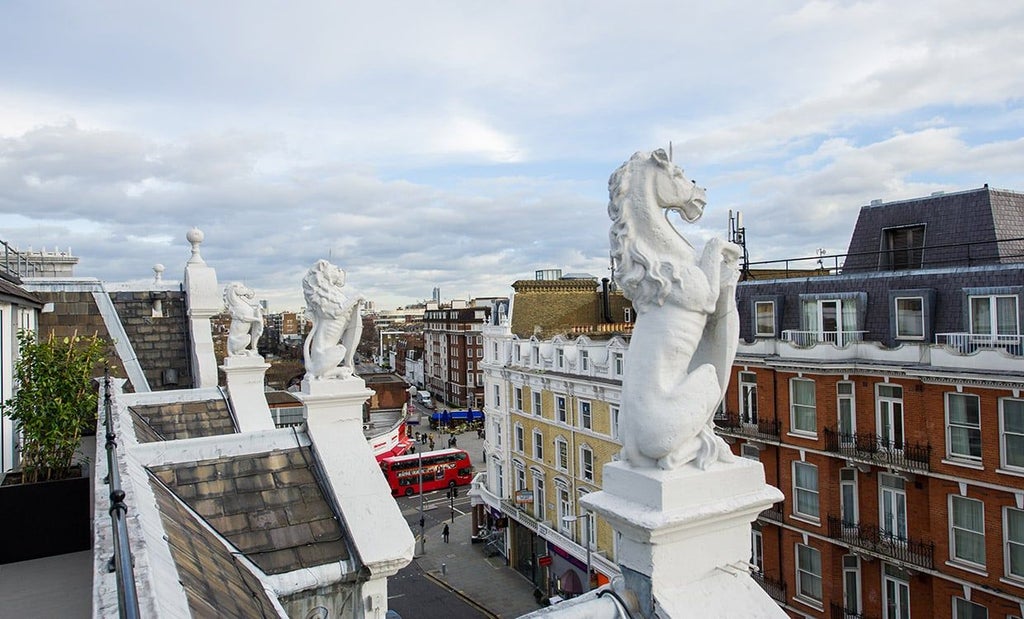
(330,347)
(246,320)
(687,328)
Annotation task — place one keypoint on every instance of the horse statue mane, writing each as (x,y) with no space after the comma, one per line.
(337,325)
(246,320)
(687,328)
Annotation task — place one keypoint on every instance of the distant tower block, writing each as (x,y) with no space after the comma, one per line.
(56,263)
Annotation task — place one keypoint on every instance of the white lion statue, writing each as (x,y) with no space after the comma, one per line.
(687,327)
(333,307)
(246,320)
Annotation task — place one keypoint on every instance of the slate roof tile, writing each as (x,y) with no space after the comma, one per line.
(268,505)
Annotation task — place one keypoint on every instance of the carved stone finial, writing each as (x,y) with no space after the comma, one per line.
(195,237)
(158,273)
(687,327)
(334,308)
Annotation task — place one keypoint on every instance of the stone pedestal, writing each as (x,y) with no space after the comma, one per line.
(334,417)
(203,300)
(686,536)
(245,376)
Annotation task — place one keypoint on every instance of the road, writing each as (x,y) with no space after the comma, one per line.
(412,593)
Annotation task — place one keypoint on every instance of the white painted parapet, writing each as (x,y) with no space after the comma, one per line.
(380,535)
(245,377)
(203,299)
(685,542)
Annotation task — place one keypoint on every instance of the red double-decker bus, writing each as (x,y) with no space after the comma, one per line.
(440,469)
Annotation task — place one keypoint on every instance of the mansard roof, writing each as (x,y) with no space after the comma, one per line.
(959,227)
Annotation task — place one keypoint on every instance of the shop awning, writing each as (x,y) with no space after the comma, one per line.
(569,583)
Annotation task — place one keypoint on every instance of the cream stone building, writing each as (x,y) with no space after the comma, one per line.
(552,380)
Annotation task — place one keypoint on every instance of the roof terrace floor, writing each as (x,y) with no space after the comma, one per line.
(59,586)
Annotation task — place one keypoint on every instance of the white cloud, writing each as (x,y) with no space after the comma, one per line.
(466,146)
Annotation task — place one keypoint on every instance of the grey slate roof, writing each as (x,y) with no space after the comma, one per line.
(974,216)
(268,505)
(215,584)
(177,420)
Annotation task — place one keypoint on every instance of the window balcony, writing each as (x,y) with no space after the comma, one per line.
(775,588)
(881,543)
(807,339)
(772,514)
(870,448)
(840,612)
(733,424)
(967,343)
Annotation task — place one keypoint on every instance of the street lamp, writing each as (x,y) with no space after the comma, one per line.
(586,536)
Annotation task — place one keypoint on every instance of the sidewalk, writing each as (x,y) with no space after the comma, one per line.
(487,582)
(464,568)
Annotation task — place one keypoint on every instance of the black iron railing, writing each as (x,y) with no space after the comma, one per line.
(880,541)
(121,562)
(734,423)
(838,611)
(932,256)
(775,588)
(873,449)
(772,514)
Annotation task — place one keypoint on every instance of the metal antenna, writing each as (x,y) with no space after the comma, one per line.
(670,150)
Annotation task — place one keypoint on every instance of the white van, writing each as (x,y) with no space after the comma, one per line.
(426,399)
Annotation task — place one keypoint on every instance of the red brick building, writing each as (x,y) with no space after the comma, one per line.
(453,351)
(885,400)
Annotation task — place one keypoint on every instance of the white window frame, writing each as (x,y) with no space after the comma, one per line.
(586,414)
(1011,545)
(807,572)
(562,454)
(518,398)
(538,445)
(807,491)
(848,496)
(520,439)
(618,363)
(613,413)
(794,407)
(747,394)
(1007,436)
(586,470)
(894,525)
(973,430)
(852,585)
(559,358)
(954,552)
(969,607)
(564,509)
(846,402)
(901,586)
(497,396)
(756,548)
(539,498)
(584,361)
(759,331)
(918,319)
(890,416)
(750,452)
(538,408)
(561,410)
(993,314)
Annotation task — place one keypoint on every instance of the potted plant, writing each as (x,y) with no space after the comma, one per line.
(54,404)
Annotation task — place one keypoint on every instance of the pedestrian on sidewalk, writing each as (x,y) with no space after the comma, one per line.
(444,534)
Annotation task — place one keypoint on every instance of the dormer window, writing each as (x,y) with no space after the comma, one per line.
(902,248)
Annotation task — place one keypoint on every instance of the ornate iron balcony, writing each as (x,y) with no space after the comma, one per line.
(882,542)
(772,514)
(873,449)
(775,588)
(735,424)
(840,612)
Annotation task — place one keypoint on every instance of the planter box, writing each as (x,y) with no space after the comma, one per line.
(44,519)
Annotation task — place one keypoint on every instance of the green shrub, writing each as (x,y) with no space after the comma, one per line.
(54,402)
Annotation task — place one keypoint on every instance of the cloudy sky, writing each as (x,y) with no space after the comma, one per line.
(467,144)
